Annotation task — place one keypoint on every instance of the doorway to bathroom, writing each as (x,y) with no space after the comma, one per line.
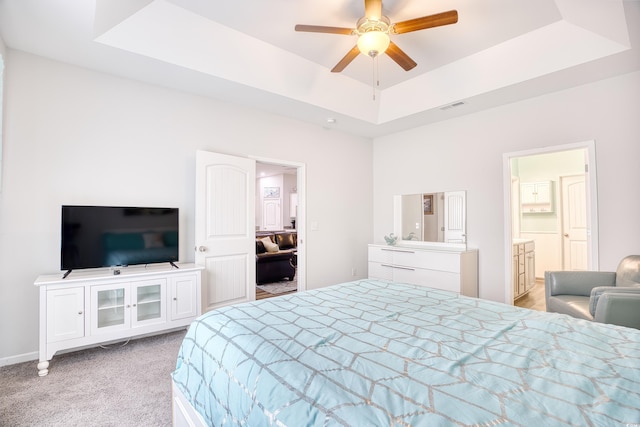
(551,216)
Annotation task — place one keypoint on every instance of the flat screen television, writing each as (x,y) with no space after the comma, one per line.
(114,236)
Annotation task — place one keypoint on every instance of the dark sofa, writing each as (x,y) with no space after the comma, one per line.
(275,259)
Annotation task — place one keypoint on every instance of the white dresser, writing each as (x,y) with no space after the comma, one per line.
(451,270)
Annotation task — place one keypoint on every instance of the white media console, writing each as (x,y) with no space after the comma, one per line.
(91,307)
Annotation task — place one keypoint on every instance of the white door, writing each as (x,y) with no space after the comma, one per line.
(454,217)
(271,215)
(574,223)
(225,228)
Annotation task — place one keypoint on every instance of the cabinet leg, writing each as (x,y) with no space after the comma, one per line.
(43,368)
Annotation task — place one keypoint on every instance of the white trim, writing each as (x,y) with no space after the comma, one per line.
(592,202)
(20,358)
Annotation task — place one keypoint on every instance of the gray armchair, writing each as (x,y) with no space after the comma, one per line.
(604,297)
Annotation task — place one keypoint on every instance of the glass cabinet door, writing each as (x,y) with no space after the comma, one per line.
(127,305)
(149,304)
(109,309)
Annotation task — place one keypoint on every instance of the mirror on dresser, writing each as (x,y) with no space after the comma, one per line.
(431,219)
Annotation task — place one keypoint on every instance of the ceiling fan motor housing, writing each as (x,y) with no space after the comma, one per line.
(365,24)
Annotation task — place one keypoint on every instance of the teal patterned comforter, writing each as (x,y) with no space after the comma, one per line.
(372,353)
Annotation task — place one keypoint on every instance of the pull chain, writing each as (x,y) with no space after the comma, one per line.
(375,75)
(378,71)
(373,78)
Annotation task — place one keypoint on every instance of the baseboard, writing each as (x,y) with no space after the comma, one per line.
(20,358)
(35,356)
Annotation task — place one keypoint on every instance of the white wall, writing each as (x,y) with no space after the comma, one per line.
(466,153)
(3,53)
(80,137)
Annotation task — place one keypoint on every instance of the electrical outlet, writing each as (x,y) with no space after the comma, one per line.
(354,272)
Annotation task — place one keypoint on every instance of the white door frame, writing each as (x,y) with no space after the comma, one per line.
(592,203)
(301,215)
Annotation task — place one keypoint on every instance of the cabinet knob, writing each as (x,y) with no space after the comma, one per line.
(80,312)
(175,299)
(201,248)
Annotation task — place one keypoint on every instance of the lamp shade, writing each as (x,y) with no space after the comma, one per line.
(373,43)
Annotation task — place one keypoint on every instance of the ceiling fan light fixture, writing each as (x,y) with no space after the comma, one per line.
(373,31)
(373,43)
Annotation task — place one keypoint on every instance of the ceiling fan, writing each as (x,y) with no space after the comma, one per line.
(373,31)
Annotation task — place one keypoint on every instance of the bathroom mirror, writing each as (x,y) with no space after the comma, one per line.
(436,219)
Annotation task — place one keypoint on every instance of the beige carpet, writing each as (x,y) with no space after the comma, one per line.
(120,386)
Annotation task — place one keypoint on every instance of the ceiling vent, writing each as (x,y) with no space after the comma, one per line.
(454,105)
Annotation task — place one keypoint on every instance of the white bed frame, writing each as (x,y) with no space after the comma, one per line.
(184,415)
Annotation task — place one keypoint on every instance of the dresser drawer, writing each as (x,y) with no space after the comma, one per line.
(380,254)
(431,278)
(432,260)
(380,271)
(441,261)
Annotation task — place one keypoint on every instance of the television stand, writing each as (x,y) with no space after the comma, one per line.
(173,264)
(95,307)
(64,276)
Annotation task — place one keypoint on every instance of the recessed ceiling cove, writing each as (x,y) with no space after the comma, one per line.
(483,52)
(248,53)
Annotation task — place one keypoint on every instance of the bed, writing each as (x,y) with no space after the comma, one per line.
(371,353)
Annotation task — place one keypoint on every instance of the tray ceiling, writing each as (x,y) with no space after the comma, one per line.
(247,52)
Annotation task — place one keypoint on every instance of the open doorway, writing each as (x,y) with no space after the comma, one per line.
(550,211)
(279,228)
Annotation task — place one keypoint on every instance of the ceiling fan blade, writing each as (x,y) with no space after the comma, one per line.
(401,58)
(322,29)
(437,20)
(373,9)
(350,56)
